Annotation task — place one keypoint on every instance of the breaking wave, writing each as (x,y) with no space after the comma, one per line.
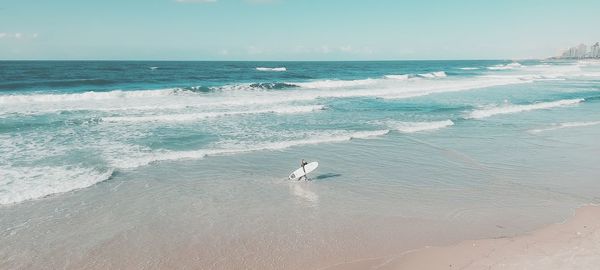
(508,109)
(26,183)
(411,127)
(272,85)
(278,69)
(437,74)
(186,117)
(323,137)
(48,98)
(336,83)
(402,77)
(506,67)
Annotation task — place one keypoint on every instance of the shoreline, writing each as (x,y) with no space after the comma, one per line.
(570,244)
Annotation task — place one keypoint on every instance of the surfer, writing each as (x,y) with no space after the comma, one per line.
(302,164)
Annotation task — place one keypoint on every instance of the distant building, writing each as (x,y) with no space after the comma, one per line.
(595,51)
(580,52)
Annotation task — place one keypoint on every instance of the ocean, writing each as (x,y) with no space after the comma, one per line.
(186,163)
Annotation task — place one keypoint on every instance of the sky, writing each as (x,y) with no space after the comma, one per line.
(293,29)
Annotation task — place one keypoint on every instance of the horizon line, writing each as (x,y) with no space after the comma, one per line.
(190,60)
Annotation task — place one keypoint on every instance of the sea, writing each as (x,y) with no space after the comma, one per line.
(158,164)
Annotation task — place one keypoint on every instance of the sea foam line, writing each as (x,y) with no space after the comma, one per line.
(27,183)
(159,156)
(335,83)
(277,69)
(401,77)
(411,127)
(49,98)
(506,67)
(566,125)
(437,74)
(508,109)
(186,117)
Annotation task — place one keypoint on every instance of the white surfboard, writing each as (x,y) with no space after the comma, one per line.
(300,172)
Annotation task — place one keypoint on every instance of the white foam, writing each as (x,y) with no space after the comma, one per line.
(241,97)
(18,184)
(508,109)
(589,62)
(186,117)
(468,68)
(117,94)
(427,87)
(567,125)
(506,67)
(411,127)
(315,138)
(277,69)
(336,83)
(437,74)
(401,77)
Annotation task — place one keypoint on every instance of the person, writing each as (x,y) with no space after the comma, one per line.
(302,164)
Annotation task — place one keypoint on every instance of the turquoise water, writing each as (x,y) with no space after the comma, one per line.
(411,153)
(68,125)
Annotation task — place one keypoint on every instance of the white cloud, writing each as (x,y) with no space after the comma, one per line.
(346,48)
(195,1)
(18,36)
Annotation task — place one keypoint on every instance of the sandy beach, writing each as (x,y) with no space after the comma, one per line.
(573,244)
(299,135)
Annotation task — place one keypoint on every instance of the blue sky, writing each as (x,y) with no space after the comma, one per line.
(293,29)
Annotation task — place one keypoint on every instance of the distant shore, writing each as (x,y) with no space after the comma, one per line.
(572,244)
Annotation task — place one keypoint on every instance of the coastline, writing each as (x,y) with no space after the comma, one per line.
(200,172)
(571,244)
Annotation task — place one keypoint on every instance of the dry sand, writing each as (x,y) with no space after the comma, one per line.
(573,244)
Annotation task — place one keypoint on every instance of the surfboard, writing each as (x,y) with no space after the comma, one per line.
(300,172)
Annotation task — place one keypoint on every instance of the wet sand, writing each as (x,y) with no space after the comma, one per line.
(573,244)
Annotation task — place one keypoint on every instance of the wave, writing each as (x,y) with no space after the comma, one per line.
(330,137)
(278,69)
(240,96)
(57,83)
(508,109)
(567,125)
(469,68)
(239,87)
(506,67)
(411,127)
(198,89)
(402,77)
(202,115)
(244,94)
(335,83)
(270,86)
(325,84)
(437,74)
(27,183)
(49,98)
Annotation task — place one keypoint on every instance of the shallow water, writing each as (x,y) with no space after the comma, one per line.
(195,173)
